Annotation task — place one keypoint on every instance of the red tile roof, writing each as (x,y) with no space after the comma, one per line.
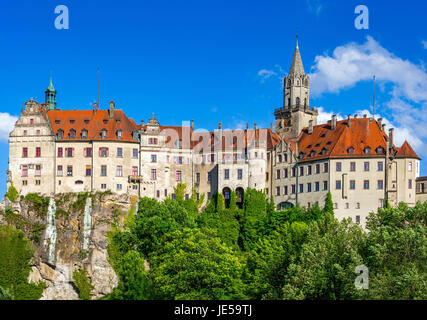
(94,123)
(406,151)
(344,141)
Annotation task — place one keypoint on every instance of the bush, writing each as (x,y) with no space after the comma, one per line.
(83,284)
(12,194)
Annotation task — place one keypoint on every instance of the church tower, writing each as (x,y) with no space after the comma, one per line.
(50,94)
(296,112)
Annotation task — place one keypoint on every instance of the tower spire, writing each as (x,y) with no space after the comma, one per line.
(296,66)
(50,95)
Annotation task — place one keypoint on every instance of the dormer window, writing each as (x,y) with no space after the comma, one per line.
(301,155)
(178,143)
(118,121)
(84,134)
(329,142)
(105,121)
(103,133)
(57,121)
(86,121)
(119,134)
(60,134)
(312,153)
(380,150)
(72,134)
(368,150)
(350,150)
(324,150)
(72,121)
(135,135)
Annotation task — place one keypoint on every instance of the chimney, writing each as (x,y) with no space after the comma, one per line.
(192,124)
(390,136)
(310,127)
(383,127)
(271,126)
(365,115)
(220,125)
(355,116)
(111,112)
(348,120)
(95,107)
(254,125)
(334,122)
(380,122)
(247,126)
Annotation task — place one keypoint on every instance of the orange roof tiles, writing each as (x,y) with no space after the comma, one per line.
(406,151)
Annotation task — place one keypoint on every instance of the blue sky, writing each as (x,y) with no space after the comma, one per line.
(215,61)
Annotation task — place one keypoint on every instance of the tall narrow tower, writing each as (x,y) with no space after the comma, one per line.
(50,94)
(296,111)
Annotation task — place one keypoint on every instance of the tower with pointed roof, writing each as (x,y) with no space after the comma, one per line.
(50,95)
(296,113)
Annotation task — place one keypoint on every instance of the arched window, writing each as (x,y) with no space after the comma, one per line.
(297,101)
(84,134)
(60,134)
(289,83)
(289,102)
(119,134)
(103,133)
(72,134)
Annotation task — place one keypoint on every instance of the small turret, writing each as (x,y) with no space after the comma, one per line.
(50,95)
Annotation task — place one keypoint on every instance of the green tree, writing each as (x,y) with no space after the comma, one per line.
(220,202)
(15,256)
(195,264)
(396,253)
(329,206)
(12,194)
(233,201)
(325,265)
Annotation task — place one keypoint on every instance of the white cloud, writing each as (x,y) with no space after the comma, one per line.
(424,42)
(265,74)
(324,116)
(7,122)
(405,81)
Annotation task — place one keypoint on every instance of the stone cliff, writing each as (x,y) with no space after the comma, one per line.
(69,232)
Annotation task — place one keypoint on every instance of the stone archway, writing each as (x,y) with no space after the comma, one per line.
(226,192)
(240,192)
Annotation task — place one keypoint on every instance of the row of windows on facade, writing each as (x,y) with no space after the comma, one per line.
(84,134)
(309,170)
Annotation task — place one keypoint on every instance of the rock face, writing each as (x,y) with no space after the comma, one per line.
(68,255)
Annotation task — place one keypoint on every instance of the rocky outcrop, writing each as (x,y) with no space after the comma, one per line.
(56,267)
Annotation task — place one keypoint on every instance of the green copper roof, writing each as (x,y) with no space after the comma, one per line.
(50,87)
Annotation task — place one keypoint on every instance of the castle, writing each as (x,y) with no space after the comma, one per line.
(58,151)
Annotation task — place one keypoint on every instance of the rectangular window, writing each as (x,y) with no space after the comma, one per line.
(410,184)
(103,171)
(119,152)
(152,141)
(338,184)
(24,182)
(380,184)
(134,187)
(69,152)
(309,170)
(37,182)
(366,184)
(59,171)
(410,166)
(226,174)
(158,193)
(212,157)
(134,171)
(309,187)
(166,192)
(38,152)
(240,174)
(277,174)
(38,170)
(381,203)
(24,152)
(178,176)
(366,166)
(69,171)
(301,171)
(178,160)
(380,166)
(326,167)
(301,188)
(153,158)
(285,190)
(352,166)
(119,187)
(317,186)
(277,191)
(135,153)
(293,189)
(103,186)
(285,173)
(325,185)
(358,219)
(88,171)
(103,152)
(119,171)
(197,177)
(352,184)
(25,171)
(87,152)
(338,166)
(317,168)
(294,172)
(60,152)
(153,174)
(280,158)
(209,177)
